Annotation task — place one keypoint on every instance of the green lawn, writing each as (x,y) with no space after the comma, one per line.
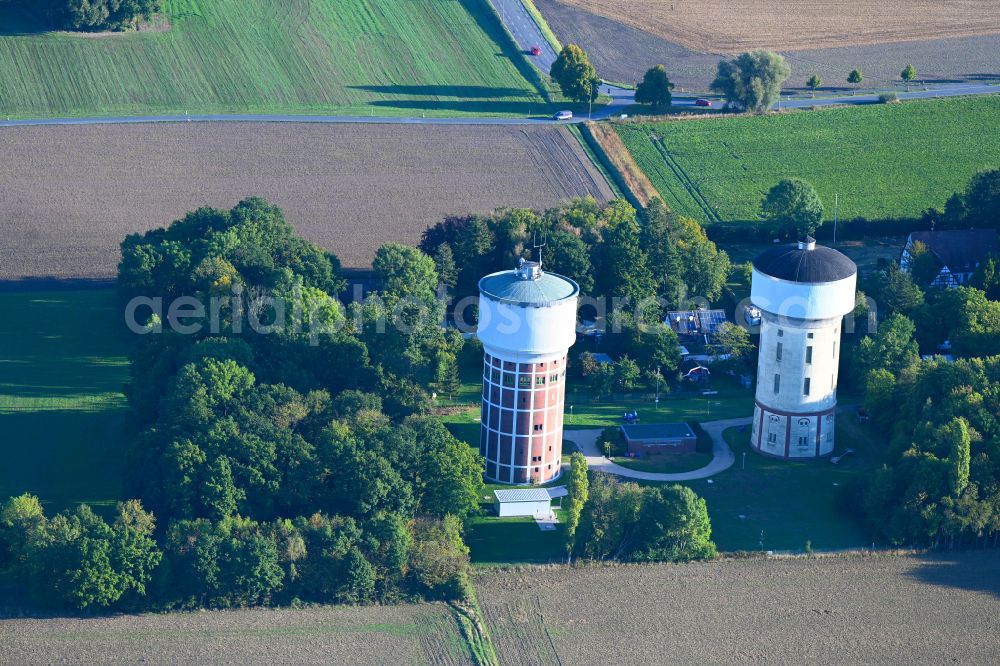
(884,161)
(62,367)
(790,502)
(494,541)
(358,57)
(666,463)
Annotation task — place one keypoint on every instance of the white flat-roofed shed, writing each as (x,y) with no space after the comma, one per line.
(534,502)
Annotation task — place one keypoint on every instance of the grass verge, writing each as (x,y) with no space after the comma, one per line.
(608,145)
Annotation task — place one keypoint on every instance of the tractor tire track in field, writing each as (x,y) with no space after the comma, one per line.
(685,180)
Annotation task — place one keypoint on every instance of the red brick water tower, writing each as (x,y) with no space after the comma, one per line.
(527,323)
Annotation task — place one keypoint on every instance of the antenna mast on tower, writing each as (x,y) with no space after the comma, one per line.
(538,247)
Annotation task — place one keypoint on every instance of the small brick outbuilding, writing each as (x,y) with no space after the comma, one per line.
(656,438)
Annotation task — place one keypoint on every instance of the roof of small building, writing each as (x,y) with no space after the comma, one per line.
(657,431)
(522,495)
(602,358)
(961,248)
(557,491)
(805,262)
(510,287)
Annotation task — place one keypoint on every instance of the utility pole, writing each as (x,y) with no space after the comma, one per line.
(657,399)
(836,212)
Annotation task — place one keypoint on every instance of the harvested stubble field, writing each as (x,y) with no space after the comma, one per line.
(623,53)
(884,161)
(838,610)
(731,26)
(410,634)
(68,195)
(405,57)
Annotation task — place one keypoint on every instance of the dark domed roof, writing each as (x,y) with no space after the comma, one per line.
(805,262)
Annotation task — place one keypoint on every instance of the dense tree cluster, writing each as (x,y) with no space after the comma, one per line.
(629,522)
(977,206)
(284,461)
(609,250)
(941,482)
(89,14)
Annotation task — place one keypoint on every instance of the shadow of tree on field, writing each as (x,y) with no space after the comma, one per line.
(467,92)
(15,22)
(973,570)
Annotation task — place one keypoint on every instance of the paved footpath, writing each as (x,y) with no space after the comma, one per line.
(722,456)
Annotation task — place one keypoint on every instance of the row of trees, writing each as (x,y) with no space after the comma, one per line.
(76,560)
(90,14)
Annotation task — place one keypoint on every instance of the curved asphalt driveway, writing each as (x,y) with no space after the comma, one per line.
(722,456)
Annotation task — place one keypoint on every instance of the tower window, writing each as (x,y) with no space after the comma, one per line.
(805,387)
(508,379)
(809,335)
(809,354)
(777,383)
(553,379)
(539,381)
(524,381)
(771,437)
(777,355)
(803,441)
(538,427)
(781,333)
(835,349)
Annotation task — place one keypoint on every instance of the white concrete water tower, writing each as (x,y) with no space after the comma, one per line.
(527,323)
(803,292)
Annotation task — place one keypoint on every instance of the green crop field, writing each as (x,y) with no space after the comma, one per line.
(62,366)
(358,57)
(884,161)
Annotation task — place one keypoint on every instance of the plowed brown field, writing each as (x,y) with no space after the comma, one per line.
(406,634)
(731,26)
(934,609)
(69,194)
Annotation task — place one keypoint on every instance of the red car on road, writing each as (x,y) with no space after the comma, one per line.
(536,50)
(703,102)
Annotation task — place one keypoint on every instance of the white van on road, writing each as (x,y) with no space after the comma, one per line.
(563,115)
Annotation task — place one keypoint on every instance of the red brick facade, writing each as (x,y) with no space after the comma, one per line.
(522,419)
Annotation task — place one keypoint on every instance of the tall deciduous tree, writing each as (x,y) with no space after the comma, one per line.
(793,207)
(577,487)
(814,82)
(752,81)
(855,77)
(654,89)
(908,74)
(576,77)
